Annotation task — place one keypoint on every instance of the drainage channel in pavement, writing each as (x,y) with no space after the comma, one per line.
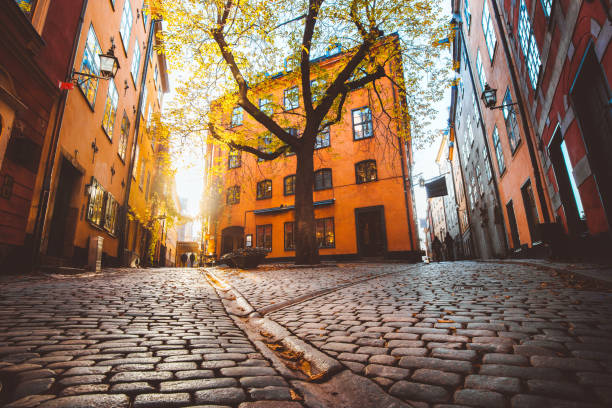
(317,380)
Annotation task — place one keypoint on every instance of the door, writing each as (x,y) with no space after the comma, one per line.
(371,236)
(590,95)
(232,238)
(64,219)
(531,212)
(516,242)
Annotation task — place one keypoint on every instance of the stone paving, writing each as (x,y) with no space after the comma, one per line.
(466,333)
(144,338)
(273,284)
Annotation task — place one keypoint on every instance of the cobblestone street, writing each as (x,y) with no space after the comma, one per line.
(449,334)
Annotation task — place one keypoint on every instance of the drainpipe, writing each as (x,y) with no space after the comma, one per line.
(484,133)
(43,206)
(128,187)
(520,100)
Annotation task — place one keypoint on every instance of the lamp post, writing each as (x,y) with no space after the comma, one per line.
(489,97)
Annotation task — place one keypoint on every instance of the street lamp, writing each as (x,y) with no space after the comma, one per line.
(489,97)
(109,65)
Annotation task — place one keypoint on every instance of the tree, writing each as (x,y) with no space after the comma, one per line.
(217,46)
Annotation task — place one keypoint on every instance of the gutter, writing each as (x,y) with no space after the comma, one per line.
(43,201)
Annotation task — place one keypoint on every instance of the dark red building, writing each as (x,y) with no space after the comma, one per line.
(37,40)
(562,59)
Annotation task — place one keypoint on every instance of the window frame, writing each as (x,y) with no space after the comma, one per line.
(263,142)
(467,14)
(127,10)
(289,238)
(264,228)
(237,117)
(234,159)
(323,172)
(482,76)
(529,46)
(499,153)
(232,195)
(263,189)
(110,110)
(512,129)
(488,30)
(135,66)
(362,122)
(123,138)
(90,84)
(289,177)
(267,107)
(318,138)
(364,163)
(547,7)
(95,203)
(321,244)
(288,94)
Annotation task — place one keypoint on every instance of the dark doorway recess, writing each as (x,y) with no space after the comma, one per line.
(65,216)
(590,96)
(232,238)
(516,242)
(371,233)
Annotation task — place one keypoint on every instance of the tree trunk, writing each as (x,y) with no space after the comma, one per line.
(306,248)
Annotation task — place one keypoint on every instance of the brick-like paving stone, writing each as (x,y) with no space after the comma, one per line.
(138,338)
(468,333)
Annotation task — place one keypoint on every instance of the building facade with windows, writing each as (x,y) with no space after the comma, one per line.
(362,193)
(561,56)
(103,138)
(34,56)
(508,159)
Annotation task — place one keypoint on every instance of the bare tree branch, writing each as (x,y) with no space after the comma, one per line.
(238,146)
(311,20)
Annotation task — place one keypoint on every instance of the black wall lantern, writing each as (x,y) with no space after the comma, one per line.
(489,97)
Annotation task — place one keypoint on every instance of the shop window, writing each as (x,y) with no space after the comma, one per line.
(95,204)
(110,214)
(290,236)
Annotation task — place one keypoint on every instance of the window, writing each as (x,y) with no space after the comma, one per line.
(325,233)
(110,214)
(316,89)
(236,116)
(156,77)
(365,171)
(234,159)
(547,6)
(135,167)
(290,236)
(514,137)
(478,178)
(123,139)
(289,185)
(263,236)
(362,123)
(264,189)
(322,139)
(135,62)
(110,110)
(126,24)
(482,78)
(91,65)
(323,179)
(27,7)
(142,174)
(488,30)
(264,144)
(145,14)
(145,94)
(529,45)
(233,195)
(468,15)
(265,105)
(95,204)
(498,152)
(487,166)
(291,98)
(474,187)
(469,134)
(149,119)
(293,132)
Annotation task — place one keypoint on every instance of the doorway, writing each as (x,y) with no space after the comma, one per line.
(590,95)
(232,238)
(514,234)
(65,215)
(371,234)
(531,212)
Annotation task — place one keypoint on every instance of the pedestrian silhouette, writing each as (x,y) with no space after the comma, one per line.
(192,259)
(184,259)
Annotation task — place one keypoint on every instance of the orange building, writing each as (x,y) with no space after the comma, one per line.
(362,194)
(103,140)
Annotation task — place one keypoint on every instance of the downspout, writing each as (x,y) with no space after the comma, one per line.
(41,214)
(486,144)
(128,187)
(519,95)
